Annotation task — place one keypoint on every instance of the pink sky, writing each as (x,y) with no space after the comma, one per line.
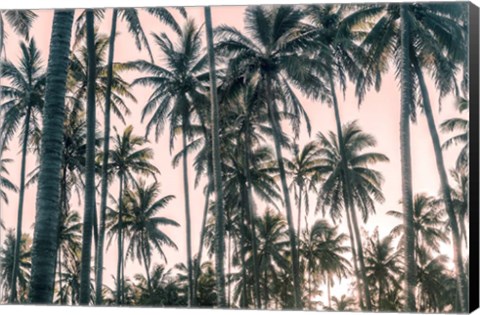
(379,116)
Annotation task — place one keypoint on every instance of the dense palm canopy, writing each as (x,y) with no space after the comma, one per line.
(237,96)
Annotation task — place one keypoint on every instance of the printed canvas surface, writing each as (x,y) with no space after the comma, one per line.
(310,157)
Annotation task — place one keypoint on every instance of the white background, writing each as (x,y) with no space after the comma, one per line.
(47,4)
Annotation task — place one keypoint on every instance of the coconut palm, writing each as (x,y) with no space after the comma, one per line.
(383,266)
(20,20)
(342,304)
(127,158)
(142,206)
(458,125)
(7,252)
(303,169)
(269,56)
(48,194)
(323,248)
(460,198)
(364,186)
(178,94)
(428,223)
(22,105)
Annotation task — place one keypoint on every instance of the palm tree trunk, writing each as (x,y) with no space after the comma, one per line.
(187,217)
(60,289)
(349,203)
(309,289)
(147,271)
(217,171)
(300,191)
(329,285)
(229,268)
(18,239)
(405,157)
(89,165)
(243,242)
(119,244)
(275,123)
(198,262)
(446,192)
(265,287)
(106,145)
(249,207)
(48,194)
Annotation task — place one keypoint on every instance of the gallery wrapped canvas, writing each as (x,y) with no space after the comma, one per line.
(272,157)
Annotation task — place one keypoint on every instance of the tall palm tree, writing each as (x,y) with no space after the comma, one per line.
(89,164)
(362,190)
(131,17)
(144,226)
(217,171)
(23,100)
(178,95)
(7,254)
(303,169)
(270,57)
(20,20)
(127,159)
(48,194)
(460,198)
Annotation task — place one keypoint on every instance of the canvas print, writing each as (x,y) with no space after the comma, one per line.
(274,157)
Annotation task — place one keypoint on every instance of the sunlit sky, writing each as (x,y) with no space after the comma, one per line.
(378,115)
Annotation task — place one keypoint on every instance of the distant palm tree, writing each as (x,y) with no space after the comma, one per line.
(145,236)
(342,304)
(303,169)
(178,95)
(22,100)
(383,266)
(322,248)
(7,252)
(460,198)
(458,125)
(126,159)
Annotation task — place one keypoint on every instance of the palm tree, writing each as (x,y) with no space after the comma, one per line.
(460,197)
(48,194)
(144,226)
(89,164)
(303,169)
(322,247)
(7,254)
(217,171)
(20,20)
(362,190)
(342,304)
(178,93)
(427,223)
(462,126)
(383,266)
(131,17)
(270,57)
(126,159)
(23,100)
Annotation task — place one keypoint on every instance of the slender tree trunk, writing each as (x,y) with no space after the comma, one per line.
(446,192)
(243,231)
(299,223)
(249,207)
(329,285)
(18,239)
(349,202)
(275,123)
(60,289)
(265,288)
(187,217)
(106,145)
(198,262)
(119,243)
(309,289)
(405,157)
(229,268)
(89,166)
(217,171)
(147,271)
(48,194)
